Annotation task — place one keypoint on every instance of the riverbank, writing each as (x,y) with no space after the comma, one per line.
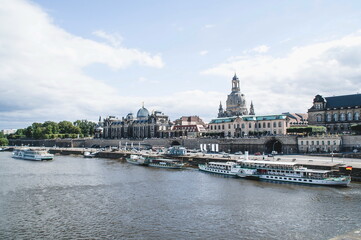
(193,159)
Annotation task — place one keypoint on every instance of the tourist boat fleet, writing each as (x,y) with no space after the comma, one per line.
(277,171)
(139,159)
(32,154)
(251,169)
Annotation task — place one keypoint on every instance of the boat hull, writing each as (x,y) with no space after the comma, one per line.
(342,182)
(177,166)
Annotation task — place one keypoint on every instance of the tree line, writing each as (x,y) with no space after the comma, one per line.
(52,130)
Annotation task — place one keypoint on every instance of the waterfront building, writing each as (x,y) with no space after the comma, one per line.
(8,131)
(144,125)
(297,119)
(249,125)
(190,126)
(322,143)
(236,102)
(336,113)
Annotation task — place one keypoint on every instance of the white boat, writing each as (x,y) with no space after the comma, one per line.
(32,154)
(227,168)
(290,172)
(137,159)
(165,163)
(90,154)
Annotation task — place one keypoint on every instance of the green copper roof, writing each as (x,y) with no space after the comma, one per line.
(249,118)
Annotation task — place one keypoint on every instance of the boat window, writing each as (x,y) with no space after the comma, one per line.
(310,180)
(289,178)
(299,179)
(295,179)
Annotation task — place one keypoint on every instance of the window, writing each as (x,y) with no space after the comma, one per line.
(319,118)
(323,142)
(259,125)
(229,126)
(250,125)
(306,142)
(317,143)
(342,117)
(301,142)
(223,127)
(242,125)
(335,117)
(312,143)
(357,116)
(328,143)
(328,117)
(274,124)
(349,116)
(264,125)
(268,125)
(279,124)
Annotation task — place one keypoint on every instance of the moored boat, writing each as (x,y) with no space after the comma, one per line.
(32,154)
(290,172)
(90,154)
(165,163)
(227,168)
(137,159)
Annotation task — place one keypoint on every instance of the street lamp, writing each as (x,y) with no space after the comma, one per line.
(273,147)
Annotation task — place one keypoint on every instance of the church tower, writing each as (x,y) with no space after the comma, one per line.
(251,109)
(236,101)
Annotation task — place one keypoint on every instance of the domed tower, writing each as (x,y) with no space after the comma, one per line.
(143,113)
(236,101)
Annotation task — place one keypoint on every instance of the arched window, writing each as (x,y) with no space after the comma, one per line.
(264,125)
(357,116)
(342,117)
(242,125)
(328,117)
(274,124)
(349,116)
(319,118)
(279,124)
(335,117)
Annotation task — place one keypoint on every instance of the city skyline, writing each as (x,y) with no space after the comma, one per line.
(70,60)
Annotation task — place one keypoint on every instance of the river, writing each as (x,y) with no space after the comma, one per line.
(73,197)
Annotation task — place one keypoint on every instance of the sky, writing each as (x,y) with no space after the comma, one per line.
(79,59)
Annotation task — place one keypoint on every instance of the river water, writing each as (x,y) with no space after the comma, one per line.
(77,198)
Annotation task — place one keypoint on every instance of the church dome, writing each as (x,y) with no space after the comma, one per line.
(143,113)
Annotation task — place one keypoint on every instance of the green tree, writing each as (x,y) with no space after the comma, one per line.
(65,127)
(86,127)
(4,141)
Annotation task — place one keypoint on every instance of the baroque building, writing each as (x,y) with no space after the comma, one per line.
(242,126)
(236,102)
(336,113)
(144,125)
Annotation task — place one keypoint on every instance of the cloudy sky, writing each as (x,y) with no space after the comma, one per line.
(78,59)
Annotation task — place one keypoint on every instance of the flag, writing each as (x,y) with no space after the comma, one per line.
(349,168)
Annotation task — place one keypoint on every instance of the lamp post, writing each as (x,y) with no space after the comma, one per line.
(273,147)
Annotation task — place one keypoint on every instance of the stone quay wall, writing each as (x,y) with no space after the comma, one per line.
(289,143)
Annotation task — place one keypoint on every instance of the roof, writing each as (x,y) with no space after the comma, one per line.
(343,101)
(249,118)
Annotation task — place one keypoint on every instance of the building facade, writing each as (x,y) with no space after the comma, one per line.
(189,126)
(336,113)
(242,126)
(323,143)
(236,102)
(144,125)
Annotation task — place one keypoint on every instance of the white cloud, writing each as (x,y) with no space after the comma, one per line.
(114,39)
(289,83)
(261,49)
(41,67)
(204,52)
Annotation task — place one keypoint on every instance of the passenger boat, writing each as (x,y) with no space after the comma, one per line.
(165,163)
(90,154)
(290,172)
(137,159)
(32,154)
(227,168)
